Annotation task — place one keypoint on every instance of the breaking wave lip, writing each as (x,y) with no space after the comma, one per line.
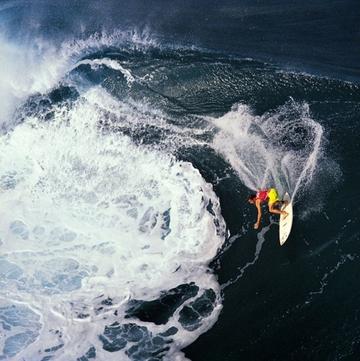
(111,64)
(35,68)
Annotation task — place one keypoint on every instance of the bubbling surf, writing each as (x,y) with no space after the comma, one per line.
(93,224)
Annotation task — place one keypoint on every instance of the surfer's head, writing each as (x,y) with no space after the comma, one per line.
(252,198)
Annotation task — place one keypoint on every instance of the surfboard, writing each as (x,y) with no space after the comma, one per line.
(286,224)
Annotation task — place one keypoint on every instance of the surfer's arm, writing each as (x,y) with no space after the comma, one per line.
(258,207)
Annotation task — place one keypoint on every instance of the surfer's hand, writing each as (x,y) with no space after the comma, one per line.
(256,225)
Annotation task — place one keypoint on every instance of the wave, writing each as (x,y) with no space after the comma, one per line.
(37,66)
(106,249)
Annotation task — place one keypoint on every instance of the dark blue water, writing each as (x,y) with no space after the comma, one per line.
(317,37)
(292,71)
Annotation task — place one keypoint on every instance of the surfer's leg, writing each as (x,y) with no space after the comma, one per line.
(273,209)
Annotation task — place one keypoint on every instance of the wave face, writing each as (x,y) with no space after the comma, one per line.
(114,151)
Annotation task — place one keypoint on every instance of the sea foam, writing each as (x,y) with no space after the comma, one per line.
(92,221)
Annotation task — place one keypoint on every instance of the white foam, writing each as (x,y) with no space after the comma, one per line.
(88,213)
(27,70)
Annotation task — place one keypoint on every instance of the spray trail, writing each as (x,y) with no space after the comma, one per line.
(279,149)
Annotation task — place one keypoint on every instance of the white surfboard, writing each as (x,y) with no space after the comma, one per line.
(286,224)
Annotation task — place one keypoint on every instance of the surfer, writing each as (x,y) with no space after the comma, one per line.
(267,195)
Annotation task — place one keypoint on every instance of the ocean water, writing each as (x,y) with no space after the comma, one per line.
(131,137)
